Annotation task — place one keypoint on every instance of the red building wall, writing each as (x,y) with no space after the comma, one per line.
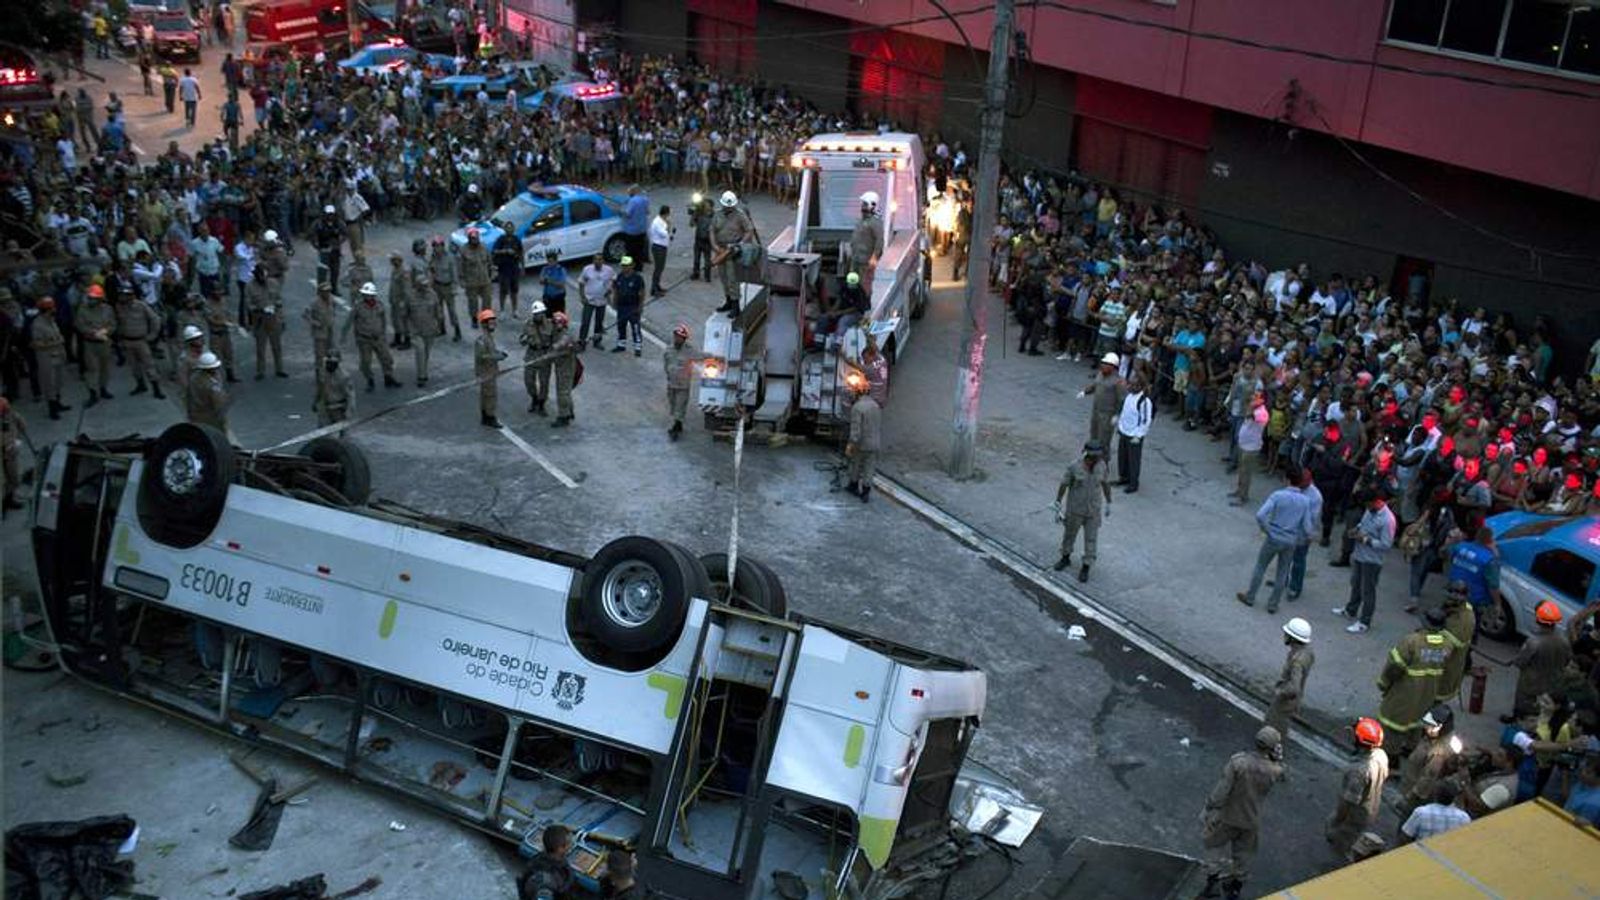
(1537,137)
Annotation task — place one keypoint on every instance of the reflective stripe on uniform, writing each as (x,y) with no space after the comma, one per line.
(1414,673)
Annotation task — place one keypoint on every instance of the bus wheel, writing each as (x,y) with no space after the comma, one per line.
(636,593)
(185,484)
(354,479)
(919,299)
(755,587)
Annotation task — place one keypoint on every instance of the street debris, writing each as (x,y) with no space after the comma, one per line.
(312,887)
(445,776)
(1183,742)
(165,850)
(396,825)
(62,776)
(69,859)
(1076,633)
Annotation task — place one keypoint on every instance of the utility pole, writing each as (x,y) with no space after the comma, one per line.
(974,326)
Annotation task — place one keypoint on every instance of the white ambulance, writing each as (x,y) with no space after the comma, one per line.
(740,750)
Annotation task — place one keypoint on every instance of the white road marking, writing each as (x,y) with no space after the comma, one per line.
(537,456)
(1084,605)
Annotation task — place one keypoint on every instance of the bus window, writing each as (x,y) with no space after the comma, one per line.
(554,777)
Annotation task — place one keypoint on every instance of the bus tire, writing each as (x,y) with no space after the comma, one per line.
(354,481)
(756,587)
(919,299)
(185,484)
(636,594)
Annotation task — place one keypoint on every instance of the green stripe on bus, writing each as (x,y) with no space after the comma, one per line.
(386,622)
(853,743)
(123,552)
(673,686)
(877,836)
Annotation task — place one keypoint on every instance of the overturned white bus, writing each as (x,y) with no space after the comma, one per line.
(631,695)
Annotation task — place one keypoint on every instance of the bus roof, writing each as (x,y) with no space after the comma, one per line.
(1529,850)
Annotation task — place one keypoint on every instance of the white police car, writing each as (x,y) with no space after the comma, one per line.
(1543,558)
(394,55)
(574,221)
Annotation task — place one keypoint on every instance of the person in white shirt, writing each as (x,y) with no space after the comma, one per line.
(244,268)
(1132,425)
(594,285)
(1438,817)
(661,233)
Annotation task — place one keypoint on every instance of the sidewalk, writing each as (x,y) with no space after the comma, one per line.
(1172,556)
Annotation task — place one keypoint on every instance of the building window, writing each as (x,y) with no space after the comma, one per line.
(1559,35)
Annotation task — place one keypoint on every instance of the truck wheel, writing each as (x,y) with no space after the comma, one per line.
(919,299)
(1498,622)
(616,248)
(185,484)
(636,593)
(755,587)
(354,479)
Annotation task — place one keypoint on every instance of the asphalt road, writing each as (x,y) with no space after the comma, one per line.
(1113,742)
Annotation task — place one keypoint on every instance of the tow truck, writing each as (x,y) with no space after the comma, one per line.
(770,359)
(643,696)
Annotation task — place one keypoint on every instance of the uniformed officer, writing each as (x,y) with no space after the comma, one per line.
(424,316)
(679,362)
(1476,564)
(442,268)
(359,273)
(266,323)
(205,397)
(137,326)
(730,227)
(1541,661)
(866,240)
(50,354)
(866,427)
(399,291)
(1460,623)
(321,319)
(1360,790)
(476,274)
(95,321)
(193,344)
(565,346)
(1083,487)
(220,326)
(486,358)
(628,295)
(1290,690)
(274,257)
(1410,681)
(334,401)
(1231,822)
(12,428)
(369,322)
(1424,767)
(538,333)
(182,349)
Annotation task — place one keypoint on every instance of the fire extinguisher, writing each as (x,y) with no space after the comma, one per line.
(1480,681)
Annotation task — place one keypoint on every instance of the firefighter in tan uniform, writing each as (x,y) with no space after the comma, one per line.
(486,358)
(1360,790)
(370,324)
(678,361)
(335,401)
(95,322)
(1409,681)
(442,269)
(1290,690)
(182,350)
(206,397)
(50,352)
(220,326)
(866,429)
(565,347)
(266,323)
(1079,505)
(399,291)
(1231,821)
(477,271)
(730,227)
(358,274)
(322,321)
(1460,623)
(274,260)
(137,326)
(538,333)
(424,316)
(12,428)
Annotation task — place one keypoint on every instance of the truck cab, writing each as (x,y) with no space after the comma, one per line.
(779,355)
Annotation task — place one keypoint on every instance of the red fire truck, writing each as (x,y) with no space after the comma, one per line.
(310,25)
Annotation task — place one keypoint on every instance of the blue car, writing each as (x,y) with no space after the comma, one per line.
(574,221)
(596,98)
(524,77)
(1543,557)
(393,56)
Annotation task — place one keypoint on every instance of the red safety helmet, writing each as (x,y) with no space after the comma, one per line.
(486,315)
(1368,732)
(1547,613)
(96,291)
(681,330)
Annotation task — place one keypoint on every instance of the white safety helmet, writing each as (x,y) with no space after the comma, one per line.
(328,210)
(538,308)
(1298,629)
(270,237)
(208,360)
(192,333)
(870,198)
(472,188)
(1111,359)
(729,199)
(369,288)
